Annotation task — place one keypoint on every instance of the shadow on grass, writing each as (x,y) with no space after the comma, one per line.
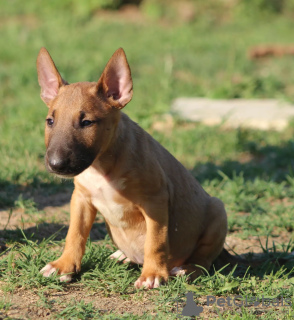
(257,264)
(266,162)
(55,231)
(53,193)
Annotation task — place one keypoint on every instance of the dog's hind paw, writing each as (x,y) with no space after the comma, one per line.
(177,271)
(191,271)
(48,270)
(119,256)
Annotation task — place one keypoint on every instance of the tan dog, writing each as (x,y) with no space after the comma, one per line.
(156,213)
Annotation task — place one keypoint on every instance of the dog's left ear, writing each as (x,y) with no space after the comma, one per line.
(115,83)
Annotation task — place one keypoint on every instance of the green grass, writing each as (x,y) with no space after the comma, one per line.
(20,270)
(251,171)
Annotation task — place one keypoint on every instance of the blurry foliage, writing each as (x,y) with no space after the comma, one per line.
(78,7)
(214,10)
(251,87)
(256,8)
(275,6)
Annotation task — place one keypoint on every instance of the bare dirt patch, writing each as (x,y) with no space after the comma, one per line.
(29,305)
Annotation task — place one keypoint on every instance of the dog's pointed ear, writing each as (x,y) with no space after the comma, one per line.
(49,78)
(115,83)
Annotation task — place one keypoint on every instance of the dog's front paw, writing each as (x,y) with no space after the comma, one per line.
(48,270)
(151,281)
(63,268)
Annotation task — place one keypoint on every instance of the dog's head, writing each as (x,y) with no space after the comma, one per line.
(83,116)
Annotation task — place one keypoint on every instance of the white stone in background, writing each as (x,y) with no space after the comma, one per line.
(258,114)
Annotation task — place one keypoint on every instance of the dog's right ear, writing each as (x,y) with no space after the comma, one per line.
(49,78)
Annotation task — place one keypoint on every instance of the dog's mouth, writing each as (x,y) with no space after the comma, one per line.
(66,169)
(66,174)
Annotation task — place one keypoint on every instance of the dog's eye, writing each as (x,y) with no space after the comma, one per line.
(49,122)
(86,123)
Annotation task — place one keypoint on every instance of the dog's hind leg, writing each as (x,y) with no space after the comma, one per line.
(209,245)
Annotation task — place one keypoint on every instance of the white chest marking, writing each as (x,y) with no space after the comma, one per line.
(103,193)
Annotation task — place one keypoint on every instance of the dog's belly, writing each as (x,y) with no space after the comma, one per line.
(122,222)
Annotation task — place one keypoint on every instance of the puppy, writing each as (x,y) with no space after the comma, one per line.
(155,211)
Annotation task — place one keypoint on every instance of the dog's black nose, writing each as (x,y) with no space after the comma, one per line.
(57,163)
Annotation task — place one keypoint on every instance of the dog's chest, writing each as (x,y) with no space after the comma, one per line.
(105,195)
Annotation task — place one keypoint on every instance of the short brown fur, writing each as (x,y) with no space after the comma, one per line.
(157,214)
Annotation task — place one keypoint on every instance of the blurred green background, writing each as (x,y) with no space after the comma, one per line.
(175,48)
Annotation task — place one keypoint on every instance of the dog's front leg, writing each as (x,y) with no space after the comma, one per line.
(82,215)
(155,267)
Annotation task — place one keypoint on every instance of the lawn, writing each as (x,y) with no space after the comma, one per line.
(171,55)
